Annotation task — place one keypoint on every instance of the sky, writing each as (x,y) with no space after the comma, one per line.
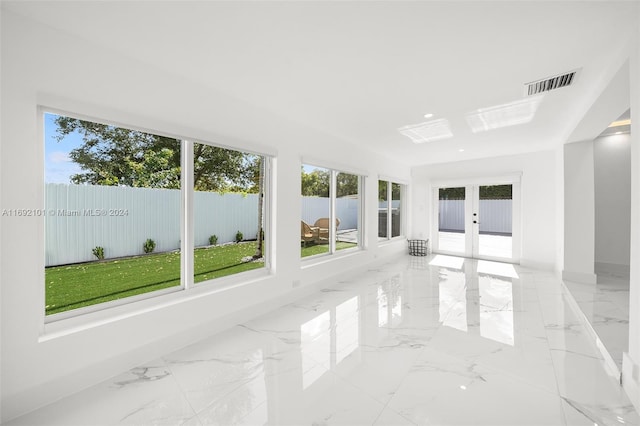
(58,167)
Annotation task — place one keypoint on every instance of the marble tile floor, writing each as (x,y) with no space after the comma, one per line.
(605,306)
(433,340)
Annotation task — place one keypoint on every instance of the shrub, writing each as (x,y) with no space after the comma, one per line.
(239,236)
(98,252)
(213,240)
(149,246)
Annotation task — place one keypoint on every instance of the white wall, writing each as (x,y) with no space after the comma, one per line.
(579,213)
(41,66)
(538,202)
(612,176)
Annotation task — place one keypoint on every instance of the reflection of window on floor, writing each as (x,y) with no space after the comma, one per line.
(453,299)
(390,303)
(347,331)
(496,309)
(315,341)
(328,339)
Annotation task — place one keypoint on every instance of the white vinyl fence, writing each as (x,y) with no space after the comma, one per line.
(494,215)
(313,208)
(121,219)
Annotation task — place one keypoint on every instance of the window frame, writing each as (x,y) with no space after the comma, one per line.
(187,289)
(333,174)
(389,209)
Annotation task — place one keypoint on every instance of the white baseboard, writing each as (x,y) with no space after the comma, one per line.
(631,379)
(579,277)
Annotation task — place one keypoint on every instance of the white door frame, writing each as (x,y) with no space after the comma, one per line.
(471,186)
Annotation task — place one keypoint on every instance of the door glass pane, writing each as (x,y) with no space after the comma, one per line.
(347,210)
(227,212)
(451,232)
(316,209)
(495,216)
(395,209)
(382,209)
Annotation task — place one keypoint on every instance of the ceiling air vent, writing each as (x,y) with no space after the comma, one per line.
(550,83)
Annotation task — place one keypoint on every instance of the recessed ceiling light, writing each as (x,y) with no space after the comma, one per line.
(461,150)
(429,115)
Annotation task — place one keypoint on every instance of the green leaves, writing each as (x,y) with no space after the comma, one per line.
(115,156)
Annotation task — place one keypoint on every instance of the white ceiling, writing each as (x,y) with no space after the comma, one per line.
(360,70)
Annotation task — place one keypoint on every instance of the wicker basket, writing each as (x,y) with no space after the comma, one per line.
(418,247)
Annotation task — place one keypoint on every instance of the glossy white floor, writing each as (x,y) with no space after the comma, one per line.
(606,307)
(416,340)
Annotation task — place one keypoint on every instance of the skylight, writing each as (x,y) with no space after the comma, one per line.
(428,131)
(510,114)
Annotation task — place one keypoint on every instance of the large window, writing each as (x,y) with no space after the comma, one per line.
(130,213)
(228,211)
(331,210)
(390,210)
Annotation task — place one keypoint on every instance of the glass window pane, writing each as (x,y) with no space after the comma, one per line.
(348,203)
(451,229)
(396,206)
(228,212)
(382,209)
(495,215)
(316,210)
(112,228)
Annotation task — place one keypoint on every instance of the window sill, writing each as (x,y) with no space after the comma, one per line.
(81,320)
(311,261)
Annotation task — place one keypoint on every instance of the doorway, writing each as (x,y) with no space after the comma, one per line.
(479,220)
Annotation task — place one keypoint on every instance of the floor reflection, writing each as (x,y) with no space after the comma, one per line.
(389,303)
(442,341)
(496,309)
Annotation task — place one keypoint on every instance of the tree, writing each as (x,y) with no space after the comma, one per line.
(117,156)
(346,184)
(260,243)
(315,183)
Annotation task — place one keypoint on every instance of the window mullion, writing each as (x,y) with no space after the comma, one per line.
(186,215)
(332,212)
(389,210)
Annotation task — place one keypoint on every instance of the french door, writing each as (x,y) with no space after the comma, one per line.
(479,220)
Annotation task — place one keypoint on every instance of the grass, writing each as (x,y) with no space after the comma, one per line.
(85,284)
(76,286)
(324,248)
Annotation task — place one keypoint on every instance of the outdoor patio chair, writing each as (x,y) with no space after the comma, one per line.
(323,228)
(308,233)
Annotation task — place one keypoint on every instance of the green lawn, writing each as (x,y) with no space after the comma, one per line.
(75,286)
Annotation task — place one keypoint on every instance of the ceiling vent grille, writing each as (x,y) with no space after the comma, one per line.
(550,83)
